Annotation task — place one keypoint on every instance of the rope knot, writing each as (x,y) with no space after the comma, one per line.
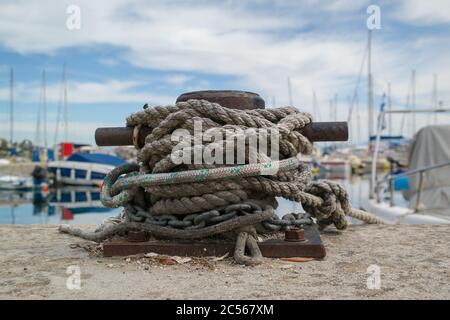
(335,205)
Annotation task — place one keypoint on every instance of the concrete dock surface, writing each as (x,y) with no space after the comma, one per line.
(363,262)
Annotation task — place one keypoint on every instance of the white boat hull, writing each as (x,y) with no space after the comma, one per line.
(16,183)
(78,173)
(396,214)
(332,168)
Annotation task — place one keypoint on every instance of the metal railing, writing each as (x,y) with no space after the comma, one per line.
(391,179)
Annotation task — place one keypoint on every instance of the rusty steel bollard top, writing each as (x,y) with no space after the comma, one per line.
(232,99)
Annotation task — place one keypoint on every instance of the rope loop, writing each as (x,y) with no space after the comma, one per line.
(335,205)
(107,197)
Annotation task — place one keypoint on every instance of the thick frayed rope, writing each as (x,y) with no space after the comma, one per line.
(159,186)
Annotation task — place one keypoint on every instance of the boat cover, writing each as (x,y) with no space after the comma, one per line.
(97,158)
(431,146)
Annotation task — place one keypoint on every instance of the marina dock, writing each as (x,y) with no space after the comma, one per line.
(414,262)
(225,150)
(19,169)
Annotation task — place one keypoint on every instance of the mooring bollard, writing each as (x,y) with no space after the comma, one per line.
(300,241)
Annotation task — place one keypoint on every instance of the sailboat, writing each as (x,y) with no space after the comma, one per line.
(329,162)
(42,154)
(426,184)
(13,182)
(77,168)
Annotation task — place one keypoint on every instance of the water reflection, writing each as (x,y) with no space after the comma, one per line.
(81,205)
(62,205)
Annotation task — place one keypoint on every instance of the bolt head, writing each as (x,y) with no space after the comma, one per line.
(136,236)
(294,235)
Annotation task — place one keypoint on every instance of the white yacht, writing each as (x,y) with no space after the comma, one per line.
(425,187)
(83,168)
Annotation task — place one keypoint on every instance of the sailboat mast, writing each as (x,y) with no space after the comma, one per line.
(331,109)
(44,106)
(413,102)
(65,105)
(349,102)
(315,107)
(435,104)
(390,108)
(369,84)
(294,204)
(38,121)
(290,91)
(335,107)
(11,106)
(358,122)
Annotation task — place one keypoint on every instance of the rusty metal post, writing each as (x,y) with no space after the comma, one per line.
(123,136)
(232,99)
(317,131)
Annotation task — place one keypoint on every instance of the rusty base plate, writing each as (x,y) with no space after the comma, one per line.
(311,247)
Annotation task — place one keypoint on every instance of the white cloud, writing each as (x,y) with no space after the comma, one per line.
(109,91)
(258,48)
(108,61)
(177,79)
(257,45)
(78,131)
(429,12)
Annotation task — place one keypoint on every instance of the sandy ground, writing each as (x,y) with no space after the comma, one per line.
(414,263)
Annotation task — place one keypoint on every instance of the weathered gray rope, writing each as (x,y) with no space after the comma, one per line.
(366,217)
(171,233)
(184,200)
(198,176)
(247,239)
(328,201)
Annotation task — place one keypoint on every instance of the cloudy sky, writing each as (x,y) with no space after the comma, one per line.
(127,53)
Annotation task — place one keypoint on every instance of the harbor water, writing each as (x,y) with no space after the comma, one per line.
(81,205)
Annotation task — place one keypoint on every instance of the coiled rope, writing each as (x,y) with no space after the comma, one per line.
(196,200)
